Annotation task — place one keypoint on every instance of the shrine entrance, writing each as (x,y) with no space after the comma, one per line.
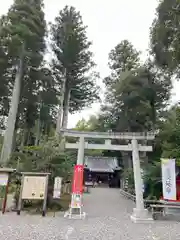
(102,171)
(140,214)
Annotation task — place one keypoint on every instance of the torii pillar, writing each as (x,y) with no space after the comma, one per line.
(80,156)
(140,214)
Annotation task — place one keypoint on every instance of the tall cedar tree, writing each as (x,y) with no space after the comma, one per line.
(73,61)
(23,35)
(135,93)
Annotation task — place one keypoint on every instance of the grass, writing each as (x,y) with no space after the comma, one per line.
(65,201)
(56,205)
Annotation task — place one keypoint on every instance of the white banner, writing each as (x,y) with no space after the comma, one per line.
(76,201)
(57,187)
(168,179)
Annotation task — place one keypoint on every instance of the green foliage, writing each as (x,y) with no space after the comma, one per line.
(2,191)
(73,63)
(165,35)
(88,126)
(136,93)
(128,175)
(124,57)
(136,99)
(47,157)
(170,134)
(152,180)
(92,124)
(22,34)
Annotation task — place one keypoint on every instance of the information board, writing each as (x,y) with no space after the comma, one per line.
(34,187)
(4,179)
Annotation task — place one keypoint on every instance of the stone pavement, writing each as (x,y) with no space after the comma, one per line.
(108,219)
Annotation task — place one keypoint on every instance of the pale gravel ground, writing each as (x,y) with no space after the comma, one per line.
(112,224)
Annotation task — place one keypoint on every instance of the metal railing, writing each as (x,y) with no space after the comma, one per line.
(128,195)
(133,197)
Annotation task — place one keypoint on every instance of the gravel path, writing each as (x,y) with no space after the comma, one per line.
(108,219)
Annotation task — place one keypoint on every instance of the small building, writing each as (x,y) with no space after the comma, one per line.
(102,170)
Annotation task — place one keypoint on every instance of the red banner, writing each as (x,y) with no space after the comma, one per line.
(77,185)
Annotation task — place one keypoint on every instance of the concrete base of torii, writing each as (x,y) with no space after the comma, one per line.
(141,216)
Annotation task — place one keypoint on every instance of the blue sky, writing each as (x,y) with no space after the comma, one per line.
(109,22)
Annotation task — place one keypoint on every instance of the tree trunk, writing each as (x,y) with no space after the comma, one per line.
(14,140)
(66,108)
(8,137)
(60,110)
(28,137)
(38,132)
(23,138)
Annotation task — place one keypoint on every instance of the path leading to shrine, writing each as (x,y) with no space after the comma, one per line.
(108,219)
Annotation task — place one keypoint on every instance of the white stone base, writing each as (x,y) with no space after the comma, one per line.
(141,216)
(71,215)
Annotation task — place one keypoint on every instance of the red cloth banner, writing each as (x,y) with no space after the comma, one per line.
(77,185)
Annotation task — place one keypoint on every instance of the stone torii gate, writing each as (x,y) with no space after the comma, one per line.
(140,214)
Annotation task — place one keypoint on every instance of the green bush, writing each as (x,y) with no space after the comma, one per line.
(47,157)
(152,180)
(129,175)
(2,191)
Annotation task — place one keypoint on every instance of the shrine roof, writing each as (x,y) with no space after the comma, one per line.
(101,164)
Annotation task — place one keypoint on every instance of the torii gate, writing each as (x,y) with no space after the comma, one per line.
(140,214)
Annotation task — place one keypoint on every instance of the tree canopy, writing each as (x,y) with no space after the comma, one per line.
(37,94)
(165,35)
(73,61)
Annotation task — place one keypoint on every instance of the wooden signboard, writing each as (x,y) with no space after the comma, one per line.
(4,179)
(34,187)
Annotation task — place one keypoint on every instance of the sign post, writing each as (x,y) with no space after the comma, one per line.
(76,197)
(57,187)
(34,186)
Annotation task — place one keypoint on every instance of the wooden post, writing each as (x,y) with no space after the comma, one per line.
(20,197)
(5,196)
(45,197)
(6,172)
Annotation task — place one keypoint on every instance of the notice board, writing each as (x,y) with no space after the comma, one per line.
(34,187)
